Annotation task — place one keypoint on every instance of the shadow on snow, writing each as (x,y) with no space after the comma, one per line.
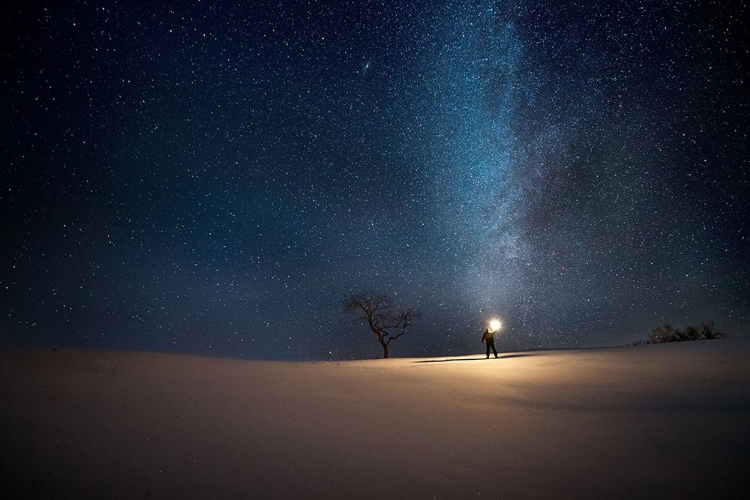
(471,359)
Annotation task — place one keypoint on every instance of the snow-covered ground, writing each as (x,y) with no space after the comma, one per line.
(662,421)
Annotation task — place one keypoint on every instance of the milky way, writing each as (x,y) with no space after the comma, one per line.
(218,179)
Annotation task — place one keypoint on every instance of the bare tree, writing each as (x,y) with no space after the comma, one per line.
(384,321)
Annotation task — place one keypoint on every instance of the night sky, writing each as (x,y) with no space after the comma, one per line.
(217,179)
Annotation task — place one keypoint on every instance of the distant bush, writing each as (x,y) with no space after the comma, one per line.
(668,333)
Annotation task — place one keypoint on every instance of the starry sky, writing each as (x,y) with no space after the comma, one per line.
(216,178)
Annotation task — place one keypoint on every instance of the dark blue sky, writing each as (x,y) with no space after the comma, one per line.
(217,179)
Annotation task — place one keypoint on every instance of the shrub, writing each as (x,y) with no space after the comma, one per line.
(667,333)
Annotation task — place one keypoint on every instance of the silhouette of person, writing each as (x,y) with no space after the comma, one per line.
(489,340)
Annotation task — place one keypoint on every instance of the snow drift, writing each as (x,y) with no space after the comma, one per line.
(661,421)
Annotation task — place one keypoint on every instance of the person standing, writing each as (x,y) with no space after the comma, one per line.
(489,340)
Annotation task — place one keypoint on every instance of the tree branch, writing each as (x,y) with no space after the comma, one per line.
(376,311)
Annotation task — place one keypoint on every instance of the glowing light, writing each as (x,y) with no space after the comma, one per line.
(495,325)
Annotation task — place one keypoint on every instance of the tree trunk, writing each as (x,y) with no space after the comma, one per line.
(385,351)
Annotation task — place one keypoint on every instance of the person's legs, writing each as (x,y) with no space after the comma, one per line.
(488,349)
(493,350)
